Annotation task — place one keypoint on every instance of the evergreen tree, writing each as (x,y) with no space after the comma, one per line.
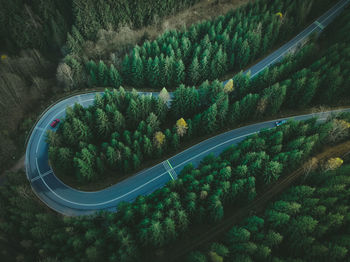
(193,72)
(209,120)
(104,126)
(137,71)
(179,75)
(114,77)
(102,74)
(133,114)
(126,70)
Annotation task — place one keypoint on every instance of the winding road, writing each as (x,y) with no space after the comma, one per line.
(68,201)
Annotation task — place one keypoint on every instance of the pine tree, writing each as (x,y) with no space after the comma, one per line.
(222,103)
(72,44)
(132,113)
(175,141)
(80,131)
(155,79)
(149,72)
(179,76)
(126,70)
(204,68)
(65,156)
(275,96)
(77,36)
(136,161)
(102,74)
(234,114)
(209,120)
(244,54)
(219,64)
(137,71)
(112,157)
(118,121)
(147,147)
(114,77)
(193,72)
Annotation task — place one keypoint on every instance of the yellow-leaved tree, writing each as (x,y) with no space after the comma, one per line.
(333,163)
(181,127)
(159,139)
(280,15)
(228,86)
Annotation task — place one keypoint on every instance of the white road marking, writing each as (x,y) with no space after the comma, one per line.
(43,175)
(169,168)
(319,25)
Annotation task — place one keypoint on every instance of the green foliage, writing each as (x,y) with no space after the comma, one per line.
(206,50)
(292,228)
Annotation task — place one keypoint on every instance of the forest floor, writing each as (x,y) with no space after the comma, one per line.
(15,168)
(200,235)
(19,165)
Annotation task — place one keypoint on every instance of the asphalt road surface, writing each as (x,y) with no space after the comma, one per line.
(68,201)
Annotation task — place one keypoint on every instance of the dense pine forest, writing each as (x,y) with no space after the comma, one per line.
(204,51)
(199,195)
(122,129)
(35,35)
(309,222)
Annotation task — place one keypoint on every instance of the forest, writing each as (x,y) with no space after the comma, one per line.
(204,51)
(123,128)
(31,58)
(59,23)
(309,222)
(199,195)
(33,42)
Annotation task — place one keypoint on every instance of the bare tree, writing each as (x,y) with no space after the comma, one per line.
(262,104)
(310,166)
(339,131)
(64,75)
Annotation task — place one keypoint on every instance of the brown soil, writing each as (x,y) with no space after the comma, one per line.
(199,236)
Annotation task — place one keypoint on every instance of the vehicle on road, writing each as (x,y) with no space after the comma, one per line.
(281,122)
(54,123)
